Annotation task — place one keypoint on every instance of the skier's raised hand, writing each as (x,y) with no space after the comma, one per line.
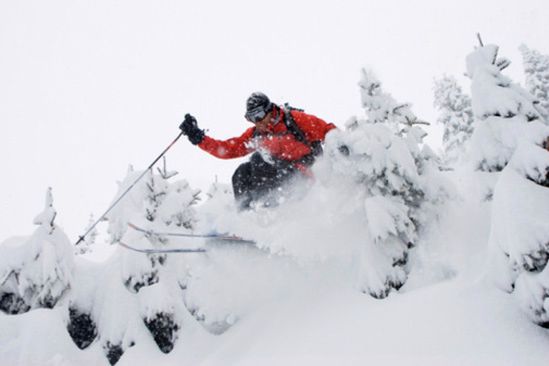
(189,126)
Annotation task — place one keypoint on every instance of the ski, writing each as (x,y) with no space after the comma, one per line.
(221,237)
(162,250)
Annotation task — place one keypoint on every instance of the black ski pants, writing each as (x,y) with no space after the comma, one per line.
(257,178)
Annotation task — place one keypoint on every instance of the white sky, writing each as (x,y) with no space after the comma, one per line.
(88,87)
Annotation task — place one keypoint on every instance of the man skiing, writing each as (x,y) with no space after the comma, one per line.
(284,142)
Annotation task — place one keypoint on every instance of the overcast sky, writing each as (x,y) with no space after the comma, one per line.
(89,87)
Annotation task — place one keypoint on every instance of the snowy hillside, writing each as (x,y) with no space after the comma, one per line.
(448,314)
(390,255)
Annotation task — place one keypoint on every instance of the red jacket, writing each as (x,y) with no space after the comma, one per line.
(279,142)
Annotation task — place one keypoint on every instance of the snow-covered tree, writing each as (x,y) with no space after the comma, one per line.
(134,287)
(519,236)
(36,272)
(511,137)
(456,116)
(381,107)
(165,206)
(154,204)
(154,199)
(536,69)
(396,179)
(501,108)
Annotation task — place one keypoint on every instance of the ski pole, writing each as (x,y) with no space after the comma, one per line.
(81,238)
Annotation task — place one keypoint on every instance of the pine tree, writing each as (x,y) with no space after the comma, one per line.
(510,138)
(381,107)
(156,200)
(519,236)
(137,288)
(38,272)
(536,69)
(384,156)
(164,204)
(500,107)
(456,116)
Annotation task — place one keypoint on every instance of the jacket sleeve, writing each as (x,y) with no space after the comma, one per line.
(314,128)
(235,147)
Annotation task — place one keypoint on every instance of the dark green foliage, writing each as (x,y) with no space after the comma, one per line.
(81,328)
(536,261)
(12,304)
(135,285)
(113,352)
(48,302)
(164,330)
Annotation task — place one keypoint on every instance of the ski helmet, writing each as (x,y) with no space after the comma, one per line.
(257,107)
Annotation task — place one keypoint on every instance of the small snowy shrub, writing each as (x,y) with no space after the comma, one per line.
(36,273)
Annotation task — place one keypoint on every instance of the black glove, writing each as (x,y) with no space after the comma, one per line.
(191,130)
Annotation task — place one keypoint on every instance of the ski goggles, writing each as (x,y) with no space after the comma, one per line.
(255,115)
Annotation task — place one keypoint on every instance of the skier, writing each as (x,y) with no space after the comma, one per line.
(284,142)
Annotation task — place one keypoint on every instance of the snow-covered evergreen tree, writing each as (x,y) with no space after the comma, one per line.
(37,272)
(166,205)
(501,109)
(511,137)
(154,199)
(536,69)
(519,235)
(381,107)
(137,288)
(397,181)
(456,116)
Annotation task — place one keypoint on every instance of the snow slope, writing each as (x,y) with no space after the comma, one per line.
(448,313)
(451,324)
